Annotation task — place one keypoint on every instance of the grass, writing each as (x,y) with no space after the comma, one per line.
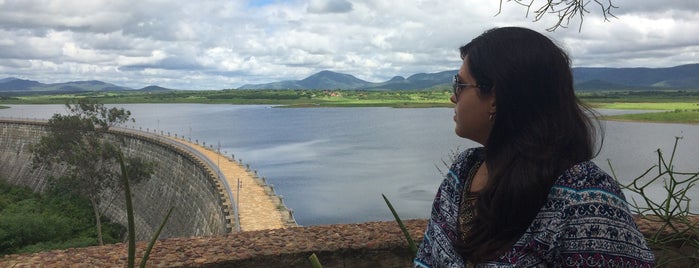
(672,106)
(680,117)
(648,105)
(666,112)
(675,241)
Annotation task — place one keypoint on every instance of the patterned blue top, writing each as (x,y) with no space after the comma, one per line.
(585,222)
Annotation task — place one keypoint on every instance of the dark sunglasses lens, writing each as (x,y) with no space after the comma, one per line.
(455,83)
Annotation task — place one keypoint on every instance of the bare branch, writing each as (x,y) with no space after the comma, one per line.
(565,10)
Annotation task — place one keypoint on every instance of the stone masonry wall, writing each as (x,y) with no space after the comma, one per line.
(370,245)
(180,181)
(15,158)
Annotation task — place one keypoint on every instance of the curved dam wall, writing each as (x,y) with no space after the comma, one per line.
(181,180)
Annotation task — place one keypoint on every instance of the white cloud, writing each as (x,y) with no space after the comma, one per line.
(223,44)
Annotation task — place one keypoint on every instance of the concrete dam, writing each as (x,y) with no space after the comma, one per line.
(202,205)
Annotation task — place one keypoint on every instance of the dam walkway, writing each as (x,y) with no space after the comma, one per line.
(258,207)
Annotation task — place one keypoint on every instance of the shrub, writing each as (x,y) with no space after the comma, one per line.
(31,222)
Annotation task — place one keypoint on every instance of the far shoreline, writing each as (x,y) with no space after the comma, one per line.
(610,118)
(668,106)
(652,116)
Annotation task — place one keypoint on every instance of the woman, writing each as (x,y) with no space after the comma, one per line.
(530,196)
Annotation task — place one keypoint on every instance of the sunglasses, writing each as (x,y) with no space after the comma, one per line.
(458,87)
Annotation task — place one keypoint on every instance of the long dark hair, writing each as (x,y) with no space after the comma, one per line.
(540,129)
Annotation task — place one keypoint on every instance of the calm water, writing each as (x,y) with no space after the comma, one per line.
(331,165)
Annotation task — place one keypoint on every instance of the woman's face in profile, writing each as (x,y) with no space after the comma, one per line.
(472,110)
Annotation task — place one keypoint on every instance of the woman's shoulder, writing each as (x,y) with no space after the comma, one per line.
(585,187)
(585,191)
(587,176)
(470,155)
(590,214)
(471,152)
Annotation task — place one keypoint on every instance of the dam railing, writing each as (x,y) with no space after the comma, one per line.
(202,157)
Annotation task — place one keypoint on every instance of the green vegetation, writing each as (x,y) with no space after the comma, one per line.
(676,116)
(678,106)
(646,96)
(292,98)
(411,242)
(649,105)
(315,262)
(32,222)
(675,240)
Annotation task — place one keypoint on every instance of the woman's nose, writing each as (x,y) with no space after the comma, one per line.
(453,98)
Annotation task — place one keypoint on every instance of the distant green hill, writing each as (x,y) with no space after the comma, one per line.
(586,78)
(333,80)
(15,86)
(678,77)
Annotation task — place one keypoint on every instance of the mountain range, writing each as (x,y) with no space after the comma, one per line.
(333,80)
(586,78)
(18,86)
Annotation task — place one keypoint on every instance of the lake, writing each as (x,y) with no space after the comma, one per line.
(331,165)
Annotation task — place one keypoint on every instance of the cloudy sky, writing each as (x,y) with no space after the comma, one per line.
(217,44)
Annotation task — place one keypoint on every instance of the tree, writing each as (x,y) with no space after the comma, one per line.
(77,141)
(565,10)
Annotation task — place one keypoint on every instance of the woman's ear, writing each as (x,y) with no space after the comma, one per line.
(492,111)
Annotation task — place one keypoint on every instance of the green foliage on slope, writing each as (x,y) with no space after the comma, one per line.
(32,222)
